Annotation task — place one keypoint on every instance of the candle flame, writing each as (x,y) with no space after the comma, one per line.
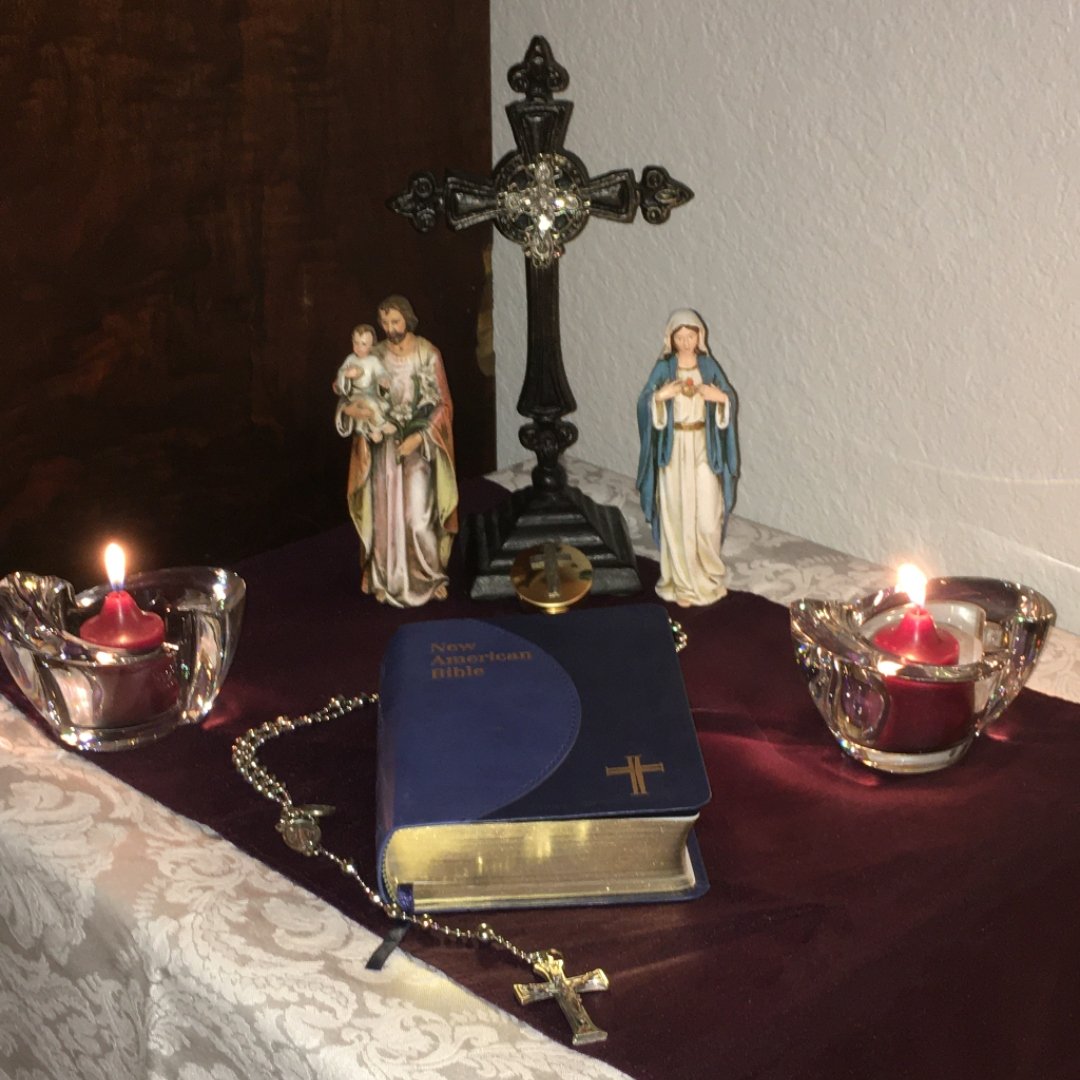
(115,565)
(911,580)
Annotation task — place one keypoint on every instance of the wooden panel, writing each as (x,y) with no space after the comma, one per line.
(192,219)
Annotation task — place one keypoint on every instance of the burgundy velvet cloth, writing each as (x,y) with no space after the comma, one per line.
(858,925)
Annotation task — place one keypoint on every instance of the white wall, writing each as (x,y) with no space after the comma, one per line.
(882,241)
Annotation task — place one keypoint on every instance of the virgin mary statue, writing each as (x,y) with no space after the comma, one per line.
(689,462)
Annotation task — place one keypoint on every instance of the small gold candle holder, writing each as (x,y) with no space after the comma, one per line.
(551,577)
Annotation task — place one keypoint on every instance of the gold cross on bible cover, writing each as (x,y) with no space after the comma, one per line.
(567,991)
(636,771)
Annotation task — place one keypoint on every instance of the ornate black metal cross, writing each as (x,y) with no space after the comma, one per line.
(541,196)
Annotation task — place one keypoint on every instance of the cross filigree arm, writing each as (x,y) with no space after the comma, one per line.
(463,200)
(421,201)
(613,196)
(539,75)
(468,201)
(660,194)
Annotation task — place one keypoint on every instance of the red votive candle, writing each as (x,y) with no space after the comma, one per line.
(917,638)
(923,717)
(122,624)
(139,691)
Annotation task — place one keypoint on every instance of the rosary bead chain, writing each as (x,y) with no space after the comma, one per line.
(244,755)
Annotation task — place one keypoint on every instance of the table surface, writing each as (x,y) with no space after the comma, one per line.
(136,943)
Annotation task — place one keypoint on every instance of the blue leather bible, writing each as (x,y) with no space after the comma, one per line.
(534,760)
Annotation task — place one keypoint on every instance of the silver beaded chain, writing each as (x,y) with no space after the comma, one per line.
(299,825)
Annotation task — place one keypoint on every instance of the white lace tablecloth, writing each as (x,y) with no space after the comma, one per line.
(135,943)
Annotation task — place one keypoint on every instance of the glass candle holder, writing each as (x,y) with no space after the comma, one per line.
(905,717)
(99,698)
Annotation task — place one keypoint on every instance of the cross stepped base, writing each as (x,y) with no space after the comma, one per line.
(493,540)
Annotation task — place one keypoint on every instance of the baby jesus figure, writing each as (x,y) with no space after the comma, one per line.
(362,379)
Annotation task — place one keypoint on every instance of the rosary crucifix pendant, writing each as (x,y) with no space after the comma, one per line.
(567,991)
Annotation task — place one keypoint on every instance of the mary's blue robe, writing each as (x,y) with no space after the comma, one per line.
(722,446)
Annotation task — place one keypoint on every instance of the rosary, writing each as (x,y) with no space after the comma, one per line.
(299,828)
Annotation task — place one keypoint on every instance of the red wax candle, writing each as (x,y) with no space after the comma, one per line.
(122,624)
(142,690)
(923,717)
(917,638)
